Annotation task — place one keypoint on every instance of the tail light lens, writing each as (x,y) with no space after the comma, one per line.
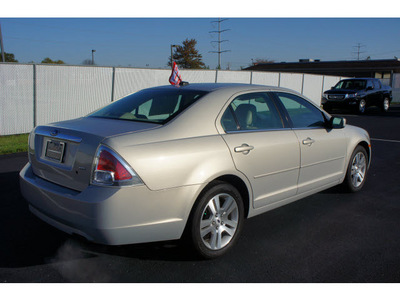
(111,169)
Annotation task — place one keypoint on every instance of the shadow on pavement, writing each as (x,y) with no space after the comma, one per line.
(28,241)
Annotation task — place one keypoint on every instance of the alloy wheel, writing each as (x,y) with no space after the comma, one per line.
(386,104)
(358,169)
(361,106)
(219,221)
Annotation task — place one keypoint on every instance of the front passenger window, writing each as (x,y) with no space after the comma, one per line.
(302,113)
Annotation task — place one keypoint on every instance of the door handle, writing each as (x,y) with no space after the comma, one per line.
(308,141)
(244,148)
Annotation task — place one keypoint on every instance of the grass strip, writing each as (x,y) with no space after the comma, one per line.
(13,143)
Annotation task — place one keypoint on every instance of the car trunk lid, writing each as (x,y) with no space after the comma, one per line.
(63,152)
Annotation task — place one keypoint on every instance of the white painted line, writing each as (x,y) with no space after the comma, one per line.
(383,140)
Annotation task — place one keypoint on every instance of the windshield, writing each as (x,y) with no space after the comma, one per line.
(154,106)
(350,85)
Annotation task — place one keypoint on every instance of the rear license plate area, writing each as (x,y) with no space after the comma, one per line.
(55,150)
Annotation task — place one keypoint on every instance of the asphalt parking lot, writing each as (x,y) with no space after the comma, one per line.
(329,237)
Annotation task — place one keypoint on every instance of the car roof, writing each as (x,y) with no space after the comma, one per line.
(210,87)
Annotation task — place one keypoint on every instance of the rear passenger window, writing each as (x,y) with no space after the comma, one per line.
(302,113)
(254,111)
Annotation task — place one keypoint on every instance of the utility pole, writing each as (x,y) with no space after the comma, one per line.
(93,51)
(358,52)
(219,31)
(3,59)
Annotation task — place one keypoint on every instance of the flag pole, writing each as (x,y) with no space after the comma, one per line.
(172,46)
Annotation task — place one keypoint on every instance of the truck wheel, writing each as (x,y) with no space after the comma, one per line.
(362,106)
(385,105)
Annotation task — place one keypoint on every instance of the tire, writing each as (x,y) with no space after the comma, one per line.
(216,221)
(385,105)
(362,106)
(356,170)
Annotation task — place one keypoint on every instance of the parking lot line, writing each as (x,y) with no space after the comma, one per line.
(383,140)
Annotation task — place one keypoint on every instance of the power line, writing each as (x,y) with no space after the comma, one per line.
(219,31)
(358,52)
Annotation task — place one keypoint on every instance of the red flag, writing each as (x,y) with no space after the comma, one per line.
(175,78)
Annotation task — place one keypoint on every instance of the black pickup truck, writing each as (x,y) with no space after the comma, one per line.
(357,94)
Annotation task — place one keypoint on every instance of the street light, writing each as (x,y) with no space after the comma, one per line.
(93,51)
(172,46)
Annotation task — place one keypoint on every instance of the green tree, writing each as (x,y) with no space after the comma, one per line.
(262,61)
(186,56)
(88,62)
(9,57)
(47,60)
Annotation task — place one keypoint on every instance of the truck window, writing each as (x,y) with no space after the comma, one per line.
(377,84)
(369,84)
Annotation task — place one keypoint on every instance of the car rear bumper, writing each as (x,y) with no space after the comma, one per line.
(109,215)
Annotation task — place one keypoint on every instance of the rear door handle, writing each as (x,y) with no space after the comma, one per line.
(244,148)
(308,141)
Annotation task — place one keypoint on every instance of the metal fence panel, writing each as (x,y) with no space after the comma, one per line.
(129,80)
(312,87)
(16,98)
(396,87)
(233,76)
(265,78)
(330,81)
(66,92)
(292,81)
(198,76)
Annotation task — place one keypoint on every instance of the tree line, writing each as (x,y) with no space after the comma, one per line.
(186,56)
(10,57)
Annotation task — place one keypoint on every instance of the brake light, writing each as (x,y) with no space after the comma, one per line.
(112,169)
(108,163)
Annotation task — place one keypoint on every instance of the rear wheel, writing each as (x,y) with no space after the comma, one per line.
(357,170)
(385,105)
(217,220)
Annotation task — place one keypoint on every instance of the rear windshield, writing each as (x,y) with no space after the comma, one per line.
(153,106)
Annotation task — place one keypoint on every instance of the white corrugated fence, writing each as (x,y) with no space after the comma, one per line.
(35,94)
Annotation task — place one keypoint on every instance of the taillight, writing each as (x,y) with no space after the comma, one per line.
(112,169)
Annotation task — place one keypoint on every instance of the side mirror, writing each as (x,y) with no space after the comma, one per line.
(369,88)
(337,123)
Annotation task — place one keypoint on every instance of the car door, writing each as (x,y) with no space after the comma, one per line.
(323,150)
(371,93)
(262,148)
(378,92)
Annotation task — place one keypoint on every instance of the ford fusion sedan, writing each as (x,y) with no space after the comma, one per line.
(188,162)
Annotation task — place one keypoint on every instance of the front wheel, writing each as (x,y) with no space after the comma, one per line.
(362,105)
(217,220)
(356,170)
